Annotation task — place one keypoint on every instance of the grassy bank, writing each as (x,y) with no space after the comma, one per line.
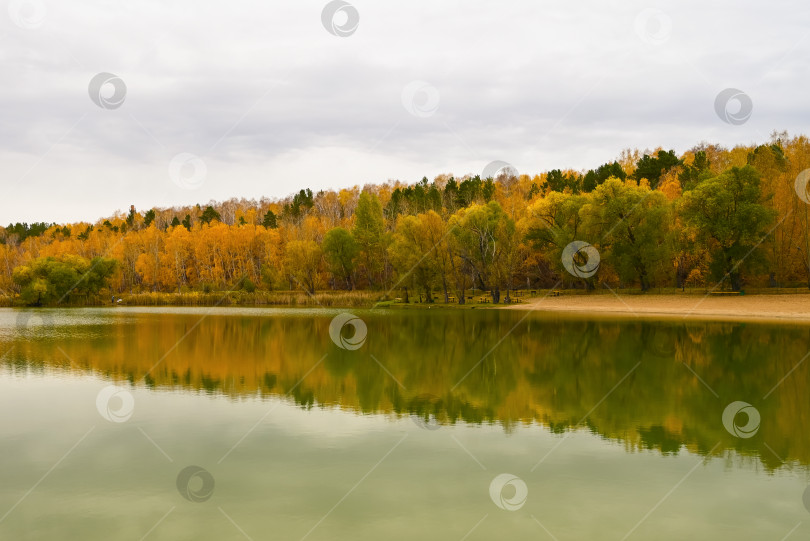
(348,299)
(369,299)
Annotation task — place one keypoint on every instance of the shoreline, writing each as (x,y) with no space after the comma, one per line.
(793,308)
(761,307)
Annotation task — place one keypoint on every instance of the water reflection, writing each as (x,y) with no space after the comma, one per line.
(648,385)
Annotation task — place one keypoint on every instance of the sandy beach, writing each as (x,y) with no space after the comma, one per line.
(784,308)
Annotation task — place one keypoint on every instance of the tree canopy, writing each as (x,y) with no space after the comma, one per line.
(709,217)
(48,280)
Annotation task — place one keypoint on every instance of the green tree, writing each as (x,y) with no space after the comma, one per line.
(369,233)
(209,215)
(595,177)
(247,284)
(698,170)
(411,251)
(21,231)
(339,250)
(131,216)
(301,203)
(86,234)
(554,222)
(632,225)
(557,181)
(270,221)
(481,232)
(652,167)
(51,280)
(726,213)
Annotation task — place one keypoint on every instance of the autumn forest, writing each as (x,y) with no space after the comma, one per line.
(736,217)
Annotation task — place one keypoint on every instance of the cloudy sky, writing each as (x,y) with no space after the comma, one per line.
(211,99)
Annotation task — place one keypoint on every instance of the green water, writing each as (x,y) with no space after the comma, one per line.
(608,429)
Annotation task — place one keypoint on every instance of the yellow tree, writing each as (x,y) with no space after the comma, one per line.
(797,151)
(413,254)
(270,252)
(208,246)
(177,259)
(148,262)
(302,263)
(483,234)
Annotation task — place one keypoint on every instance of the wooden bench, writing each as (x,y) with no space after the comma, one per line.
(724,293)
(554,293)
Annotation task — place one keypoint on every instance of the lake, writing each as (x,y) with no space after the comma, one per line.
(185,423)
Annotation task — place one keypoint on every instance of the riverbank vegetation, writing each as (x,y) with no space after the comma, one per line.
(343,299)
(657,219)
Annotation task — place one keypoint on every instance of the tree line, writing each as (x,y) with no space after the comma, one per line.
(656,219)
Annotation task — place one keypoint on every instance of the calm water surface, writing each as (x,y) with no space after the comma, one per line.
(167,424)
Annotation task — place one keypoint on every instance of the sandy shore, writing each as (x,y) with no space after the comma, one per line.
(783,308)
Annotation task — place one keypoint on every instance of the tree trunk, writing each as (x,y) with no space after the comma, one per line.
(733,276)
(645,282)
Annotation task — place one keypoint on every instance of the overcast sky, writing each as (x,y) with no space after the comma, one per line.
(270,100)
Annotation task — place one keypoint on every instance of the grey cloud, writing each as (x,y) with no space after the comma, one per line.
(255,88)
